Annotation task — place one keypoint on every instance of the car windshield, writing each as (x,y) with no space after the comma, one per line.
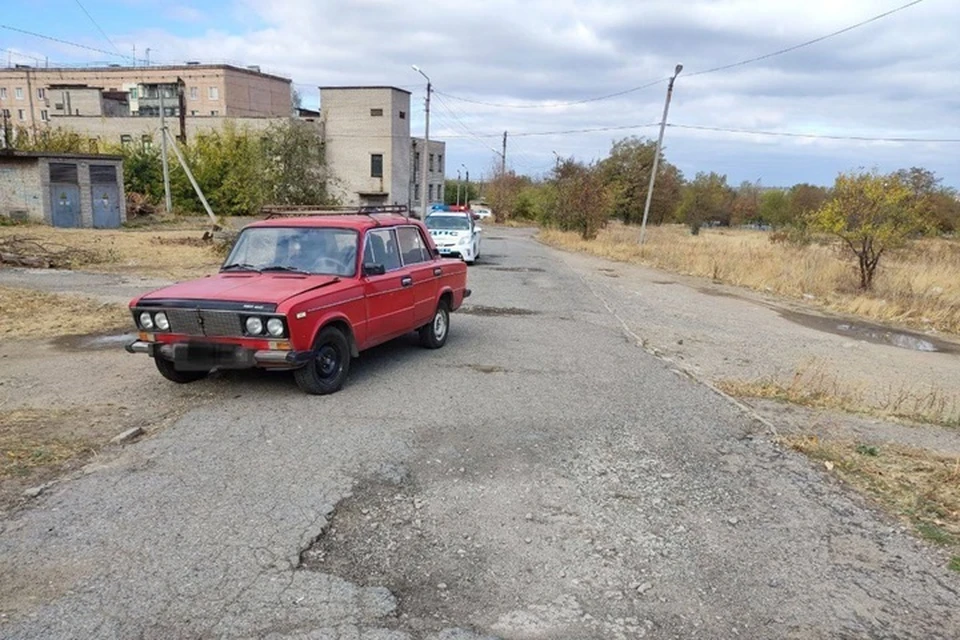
(298,249)
(459,223)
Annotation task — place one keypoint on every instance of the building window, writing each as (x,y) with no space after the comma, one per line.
(21,114)
(376,112)
(193,112)
(41,93)
(440,163)
(194,93)
(125,140)
(43,115)
(214,113)
(133,93)
(431,162)
(18,93)
(430,192)
(214,93)
(376,165)
(403,115)
(3,93)
(439,193)
(416,192)
(6,113)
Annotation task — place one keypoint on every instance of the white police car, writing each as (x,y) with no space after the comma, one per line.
(455,234)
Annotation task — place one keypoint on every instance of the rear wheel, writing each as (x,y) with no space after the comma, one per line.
(171,373)
(328,370)
(434,334)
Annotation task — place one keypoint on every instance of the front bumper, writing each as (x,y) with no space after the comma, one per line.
(203,356)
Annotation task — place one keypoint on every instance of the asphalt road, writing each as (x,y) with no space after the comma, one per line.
(539,477)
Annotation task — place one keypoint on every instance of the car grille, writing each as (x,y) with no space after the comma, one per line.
(193,322)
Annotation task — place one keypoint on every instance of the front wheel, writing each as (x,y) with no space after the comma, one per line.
(327,371)
(171,373)
(434,334)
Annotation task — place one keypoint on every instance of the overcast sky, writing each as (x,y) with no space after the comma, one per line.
(896,77)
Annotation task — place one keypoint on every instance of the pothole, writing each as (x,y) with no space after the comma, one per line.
(519,269)
(479,310)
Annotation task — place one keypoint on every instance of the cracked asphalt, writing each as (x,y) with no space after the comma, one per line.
(542,476)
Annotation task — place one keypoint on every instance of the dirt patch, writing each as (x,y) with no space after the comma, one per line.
(483,368)
(40,445)
(918,485)
(478,310)
(26,313)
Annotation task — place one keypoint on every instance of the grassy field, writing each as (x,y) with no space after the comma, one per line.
(161,252)
(25,313)
(918,286)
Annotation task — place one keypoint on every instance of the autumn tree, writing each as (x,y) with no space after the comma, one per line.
(583,200)
(872,214)
(804,199)
(707,197)
(775,207)
(936,204)
(746,203)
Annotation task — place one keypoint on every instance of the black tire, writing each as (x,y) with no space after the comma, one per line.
(169,371)
(434,334)
(327,372)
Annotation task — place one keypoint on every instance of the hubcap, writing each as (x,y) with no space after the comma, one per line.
(328,361)
(440,325)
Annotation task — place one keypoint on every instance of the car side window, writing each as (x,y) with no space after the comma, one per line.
(412,247)
(381,248)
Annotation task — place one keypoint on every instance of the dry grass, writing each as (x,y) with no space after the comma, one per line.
(915,484)
(172,254)
(919,286)
(25,447)
(26,313)
(811,386)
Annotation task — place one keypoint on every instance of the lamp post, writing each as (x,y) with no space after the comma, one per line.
(458,187)
(425,178)
(656,156)
(466,190)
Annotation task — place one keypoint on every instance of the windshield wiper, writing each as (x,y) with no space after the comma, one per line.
(283,267)
(239,266)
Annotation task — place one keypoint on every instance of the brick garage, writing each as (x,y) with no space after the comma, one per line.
(62,189)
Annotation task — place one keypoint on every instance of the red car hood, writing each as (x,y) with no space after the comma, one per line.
(242,287)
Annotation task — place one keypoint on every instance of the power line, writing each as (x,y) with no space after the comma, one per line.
(816,136)
(805,44)
(66,42)
(102,32)
(696,73)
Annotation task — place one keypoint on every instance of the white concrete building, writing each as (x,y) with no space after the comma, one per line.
(370,155)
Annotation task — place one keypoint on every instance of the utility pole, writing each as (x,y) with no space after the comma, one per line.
(503,156)
(656,155)
(426,147)
(458,187)
(466,192)
(168,200)
(33,118)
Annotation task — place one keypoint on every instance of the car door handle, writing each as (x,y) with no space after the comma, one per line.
(437,271)
(406,281)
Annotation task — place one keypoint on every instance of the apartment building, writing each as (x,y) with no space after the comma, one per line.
(370,154)
(31,96)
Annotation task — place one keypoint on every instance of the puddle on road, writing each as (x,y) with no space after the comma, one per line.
(872,333)
(478,310)
(663,282)
(94,342)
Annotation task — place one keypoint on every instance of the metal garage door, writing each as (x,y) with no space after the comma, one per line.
(64,195)
(105,195)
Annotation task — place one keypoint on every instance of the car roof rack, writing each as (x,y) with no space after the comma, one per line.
(303,211)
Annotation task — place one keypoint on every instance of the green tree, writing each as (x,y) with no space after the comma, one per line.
(295,167)
(804,199)
(466,194)
(706,198)
(583,201)
(775,207)
(936,204)
(626,172)
(871,213)
(746,204)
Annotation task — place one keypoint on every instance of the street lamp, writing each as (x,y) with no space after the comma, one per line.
(458,187)
(656,156)
(425,178)
(466,192)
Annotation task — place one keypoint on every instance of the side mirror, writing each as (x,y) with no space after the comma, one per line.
(436,251)
(374,269)
(476,216)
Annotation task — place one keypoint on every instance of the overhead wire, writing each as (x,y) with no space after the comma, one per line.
(95,24)
(816,136)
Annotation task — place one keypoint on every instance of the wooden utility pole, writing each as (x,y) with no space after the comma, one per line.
(503,156)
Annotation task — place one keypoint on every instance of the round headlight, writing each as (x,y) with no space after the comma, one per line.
(275,327)
(161,321)
(146,321)
(254,326)
(465,240)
